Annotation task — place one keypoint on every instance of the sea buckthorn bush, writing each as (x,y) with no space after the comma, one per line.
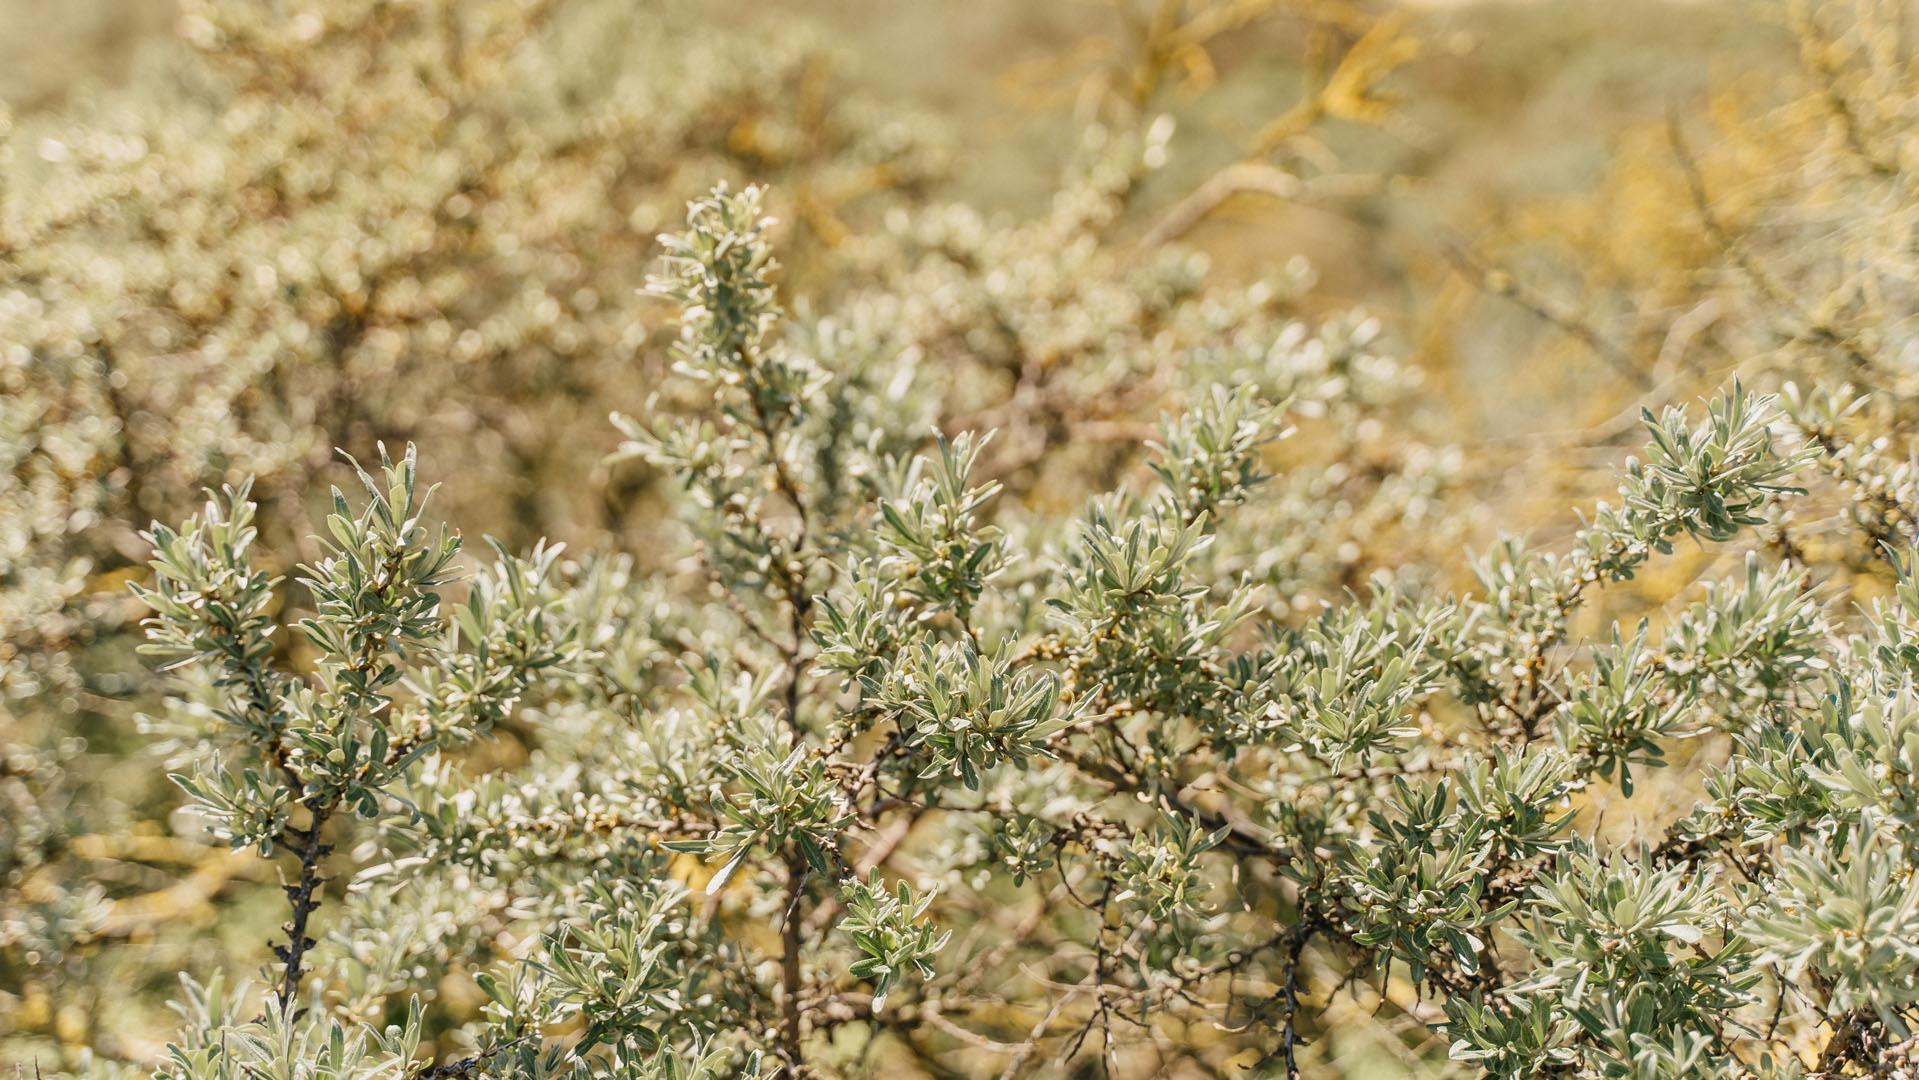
(1001,646)
(1139,787)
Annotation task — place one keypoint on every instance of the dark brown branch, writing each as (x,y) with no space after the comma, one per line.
(304,896)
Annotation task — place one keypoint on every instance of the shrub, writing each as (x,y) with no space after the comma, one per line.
(1027,655)
(887,766)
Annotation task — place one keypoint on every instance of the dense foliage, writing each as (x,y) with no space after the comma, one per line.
(1030,655)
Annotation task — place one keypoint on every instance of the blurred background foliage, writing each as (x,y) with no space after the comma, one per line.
(235,235)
